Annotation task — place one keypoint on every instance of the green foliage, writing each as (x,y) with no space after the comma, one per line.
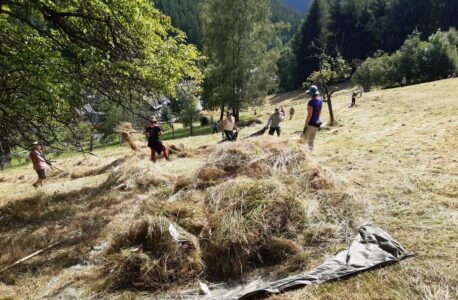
(374,70)
(359,28)
(184,15)
(166,114)
(332,70)
(417,60)
(56,54)
(187,96)
(242,68)
(302,58)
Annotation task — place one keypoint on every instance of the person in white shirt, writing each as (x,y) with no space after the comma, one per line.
(229,126)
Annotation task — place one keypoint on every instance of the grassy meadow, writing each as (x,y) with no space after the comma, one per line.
(397,150)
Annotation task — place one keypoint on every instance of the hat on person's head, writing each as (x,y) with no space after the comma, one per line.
(277,109)
(313,91)
(229,113)
(355,93)
(153,119)
(35,144)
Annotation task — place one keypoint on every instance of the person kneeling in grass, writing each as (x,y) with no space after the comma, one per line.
(39,163)
(153,132)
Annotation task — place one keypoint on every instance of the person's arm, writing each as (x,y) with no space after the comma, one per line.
(282,117)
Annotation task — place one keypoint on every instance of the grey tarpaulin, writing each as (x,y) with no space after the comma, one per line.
(371,248)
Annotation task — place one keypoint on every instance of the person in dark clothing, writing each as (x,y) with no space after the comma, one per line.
(153,132)
(353,99)
(214,127)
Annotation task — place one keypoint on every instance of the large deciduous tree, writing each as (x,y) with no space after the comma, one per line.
(242,68)
(57,54)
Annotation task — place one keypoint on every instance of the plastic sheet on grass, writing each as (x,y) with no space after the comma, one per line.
(371,248)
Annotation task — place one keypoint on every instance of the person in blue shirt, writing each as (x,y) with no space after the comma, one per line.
(313,121)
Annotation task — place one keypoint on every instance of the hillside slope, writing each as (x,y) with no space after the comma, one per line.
(396,150)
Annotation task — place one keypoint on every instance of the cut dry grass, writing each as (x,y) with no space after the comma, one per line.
(126,131)
(241,221)
(401,158)
(152,254)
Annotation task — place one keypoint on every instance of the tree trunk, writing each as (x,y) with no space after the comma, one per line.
(221,116)
(91,143)
(329,101)
(190,126)
(5,153)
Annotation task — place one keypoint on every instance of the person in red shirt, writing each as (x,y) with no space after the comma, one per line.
(153,132)
(39,163)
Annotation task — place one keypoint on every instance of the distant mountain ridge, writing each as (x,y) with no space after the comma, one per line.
(299,5)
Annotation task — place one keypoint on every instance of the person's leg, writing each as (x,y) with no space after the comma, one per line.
(311,134)
(166,154)
(153,154)
(229,135)
(278,129)
(271,131)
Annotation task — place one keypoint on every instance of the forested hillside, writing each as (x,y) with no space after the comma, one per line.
(185,16)
(358,28)
(300,5)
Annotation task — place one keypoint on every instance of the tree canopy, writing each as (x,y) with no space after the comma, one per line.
(359,28)
(242,67)
(57,55)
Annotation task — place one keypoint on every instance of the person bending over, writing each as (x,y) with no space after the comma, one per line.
(274,122)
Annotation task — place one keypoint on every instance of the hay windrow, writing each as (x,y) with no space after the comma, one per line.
(137,173)
(257,158)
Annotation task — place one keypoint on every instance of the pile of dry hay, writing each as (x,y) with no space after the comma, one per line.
(253,204)
(152,253)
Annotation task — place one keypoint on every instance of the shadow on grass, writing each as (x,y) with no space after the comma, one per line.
(31,224)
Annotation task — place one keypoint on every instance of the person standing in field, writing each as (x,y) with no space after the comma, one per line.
(313,121)
(153,132)
(274,122)
(353,99)
(39,163)
(291,112)
(229,126)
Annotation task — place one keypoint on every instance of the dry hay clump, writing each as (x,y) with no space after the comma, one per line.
(261,157)
(246,217)
(262,222)
(137,172)
(180,151)
(126,130)
(255,158)
(274,206)
(153,254)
